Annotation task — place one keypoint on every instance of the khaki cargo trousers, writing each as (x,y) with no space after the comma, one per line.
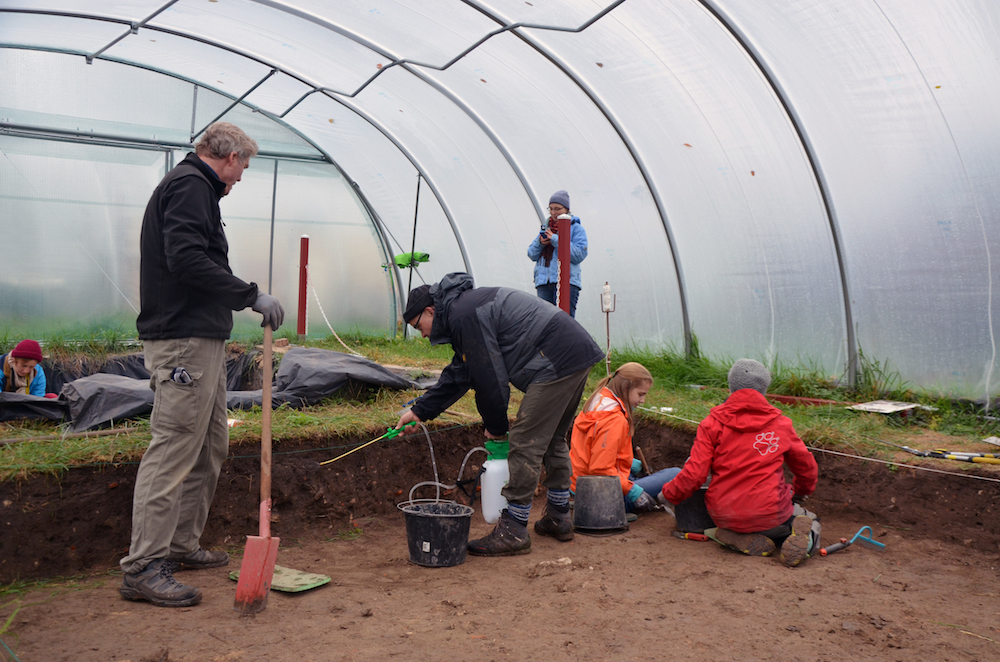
(177,477)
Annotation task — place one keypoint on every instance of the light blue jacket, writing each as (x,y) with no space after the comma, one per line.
(35,387)
(577,253)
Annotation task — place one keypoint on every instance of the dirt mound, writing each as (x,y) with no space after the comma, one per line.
(82,520)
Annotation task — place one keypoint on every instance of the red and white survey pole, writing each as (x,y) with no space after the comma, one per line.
(564,233)
(303,323)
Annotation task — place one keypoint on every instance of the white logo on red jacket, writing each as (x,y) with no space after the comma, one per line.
(766,443)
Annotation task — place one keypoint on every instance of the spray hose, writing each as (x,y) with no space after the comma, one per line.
(392,433)
(438,485)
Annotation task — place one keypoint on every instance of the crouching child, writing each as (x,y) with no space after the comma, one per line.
(744,444)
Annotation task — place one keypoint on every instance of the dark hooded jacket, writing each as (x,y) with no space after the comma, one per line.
(501,336)
(186,287)
(744,443)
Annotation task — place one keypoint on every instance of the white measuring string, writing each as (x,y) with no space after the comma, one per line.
(321,312)
(856,457)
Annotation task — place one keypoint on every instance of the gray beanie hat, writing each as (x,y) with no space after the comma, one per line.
(560,198)
(747,373)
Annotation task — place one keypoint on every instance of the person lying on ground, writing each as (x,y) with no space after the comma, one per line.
(602,438)
(503,336)
(744,443)
(21,370)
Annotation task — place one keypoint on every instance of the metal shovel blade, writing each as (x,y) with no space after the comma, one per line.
(256,574)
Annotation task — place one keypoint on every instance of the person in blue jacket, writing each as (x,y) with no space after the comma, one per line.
(544,250)
(21,370)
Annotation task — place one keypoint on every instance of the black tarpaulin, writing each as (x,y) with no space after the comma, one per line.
(305,377)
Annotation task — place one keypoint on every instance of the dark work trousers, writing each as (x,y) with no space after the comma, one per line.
(548,292)
(538,437)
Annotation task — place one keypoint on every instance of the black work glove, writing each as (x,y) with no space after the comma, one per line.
(645,503)
(270,308)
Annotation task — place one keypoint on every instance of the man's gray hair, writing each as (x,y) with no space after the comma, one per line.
(222,139)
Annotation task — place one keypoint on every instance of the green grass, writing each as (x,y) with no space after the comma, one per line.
(826,426)
(364,413)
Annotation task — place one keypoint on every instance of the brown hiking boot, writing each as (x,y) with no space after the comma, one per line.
(752,544)
(200,560)
(555,524)
(156,584)
(795,549)
(508,538)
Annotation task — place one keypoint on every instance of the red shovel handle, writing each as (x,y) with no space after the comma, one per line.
(265,439)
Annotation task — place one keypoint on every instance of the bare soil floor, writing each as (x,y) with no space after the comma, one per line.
(932,594)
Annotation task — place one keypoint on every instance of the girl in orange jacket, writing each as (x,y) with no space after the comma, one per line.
(602,437)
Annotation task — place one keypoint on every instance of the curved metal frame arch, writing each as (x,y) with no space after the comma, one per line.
(744,41)
(629,145)
(376,222)
(498,143)
(272,116)
(443,90)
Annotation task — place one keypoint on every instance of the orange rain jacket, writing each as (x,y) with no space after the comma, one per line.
(601,443)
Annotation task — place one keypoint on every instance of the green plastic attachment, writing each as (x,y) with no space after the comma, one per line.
(404,260)
(497,449)
(392,433)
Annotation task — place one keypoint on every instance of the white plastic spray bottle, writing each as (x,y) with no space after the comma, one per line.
(496,473)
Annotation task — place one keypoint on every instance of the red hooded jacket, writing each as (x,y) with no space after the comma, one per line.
(743,443)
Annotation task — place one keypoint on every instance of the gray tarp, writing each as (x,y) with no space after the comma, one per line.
(99,399)
(18,405)
(305,377)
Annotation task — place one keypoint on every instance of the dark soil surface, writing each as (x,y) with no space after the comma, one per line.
(931,594)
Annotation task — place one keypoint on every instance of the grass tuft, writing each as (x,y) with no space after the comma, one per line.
(365,413)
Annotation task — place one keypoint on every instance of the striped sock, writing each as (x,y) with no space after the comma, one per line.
(519,512)
(559,500)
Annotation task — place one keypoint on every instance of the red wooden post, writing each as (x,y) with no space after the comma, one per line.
(565,237)
(303,284)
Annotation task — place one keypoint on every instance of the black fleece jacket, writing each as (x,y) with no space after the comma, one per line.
(186,287)
(501,337)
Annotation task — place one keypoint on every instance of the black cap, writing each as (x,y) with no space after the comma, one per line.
(420,298)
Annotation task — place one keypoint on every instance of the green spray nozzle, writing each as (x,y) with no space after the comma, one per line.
(391,433)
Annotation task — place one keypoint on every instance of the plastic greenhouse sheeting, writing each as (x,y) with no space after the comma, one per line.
(806,182)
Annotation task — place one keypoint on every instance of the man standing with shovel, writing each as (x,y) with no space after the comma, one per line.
(501,337)
(188,293)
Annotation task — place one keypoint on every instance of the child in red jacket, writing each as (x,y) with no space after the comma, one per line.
(744,444)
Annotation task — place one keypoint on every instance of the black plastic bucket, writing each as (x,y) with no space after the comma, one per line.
(599,505)
(692,515)
(437,532)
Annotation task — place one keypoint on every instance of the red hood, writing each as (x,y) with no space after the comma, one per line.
(745,410)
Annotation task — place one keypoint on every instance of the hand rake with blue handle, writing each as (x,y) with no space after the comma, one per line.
(859,536)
